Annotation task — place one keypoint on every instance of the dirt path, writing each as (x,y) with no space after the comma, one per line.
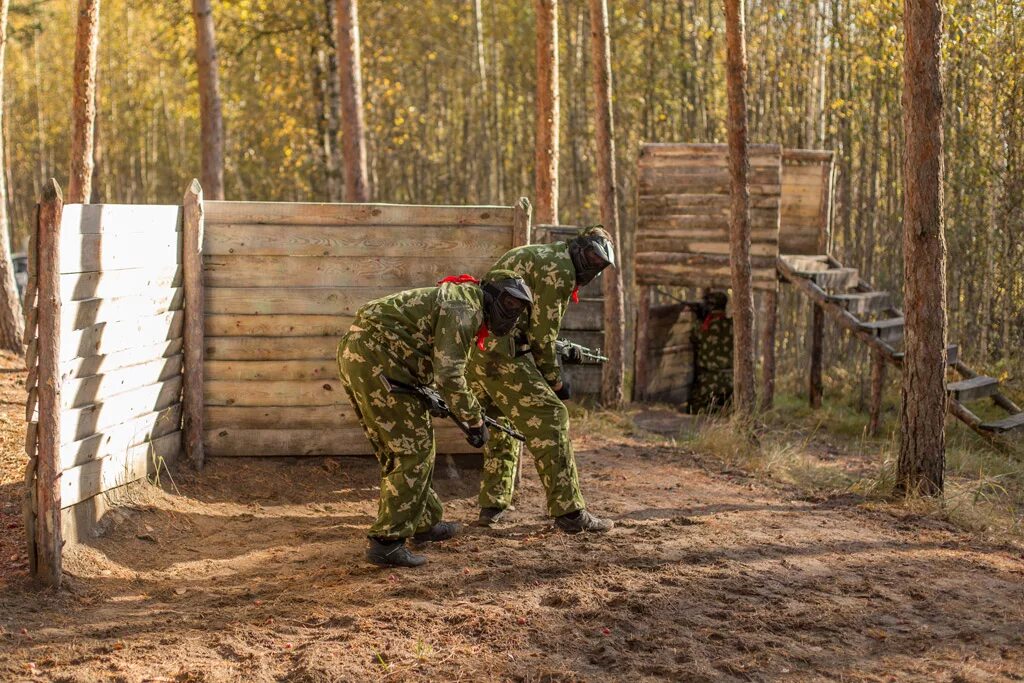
(254,573)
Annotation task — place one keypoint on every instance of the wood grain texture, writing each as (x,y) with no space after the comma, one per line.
(264,370)
(97,476)
(115,441)
(78,315)
(78,368)
(107,338)
(322,392)
(343,301)
(277,325)
(77,393)
(115,219)
(339,416)
(271,348)
(278,442)
(118,283)
(296,213)
(103,252)
(193,333)
(81,423)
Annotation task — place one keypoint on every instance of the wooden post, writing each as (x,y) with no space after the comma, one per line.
(48,470)
(521,222)
(817,333)
(771,314)
(192,380)
(643,318)
(877,386)
(28,506)
(546,125)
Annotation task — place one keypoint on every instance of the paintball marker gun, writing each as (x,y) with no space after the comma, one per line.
(437,407)
(572,353)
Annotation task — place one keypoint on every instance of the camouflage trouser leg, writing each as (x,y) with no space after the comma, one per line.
(399,429)
(518,391)
(712,390)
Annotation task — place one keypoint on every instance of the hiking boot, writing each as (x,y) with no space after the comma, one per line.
(490,516)
(441,531)
(384,553)
(581,520)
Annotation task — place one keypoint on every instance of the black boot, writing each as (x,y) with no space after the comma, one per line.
(441,531)
(388,553)
(490,516)
(581,520)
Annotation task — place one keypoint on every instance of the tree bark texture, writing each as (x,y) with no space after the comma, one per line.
(877,389)
(739,228)
(353,133)
(614,315)
(210,113)
(83,101)
(922,414)
(771,315)
(332,106)
(546,142)
(192,267)
(817,355)
(12,324)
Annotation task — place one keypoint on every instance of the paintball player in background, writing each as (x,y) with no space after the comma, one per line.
(520,379)
(712,341)
(419,337)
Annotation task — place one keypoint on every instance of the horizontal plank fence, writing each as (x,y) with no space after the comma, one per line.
(282,283)
(808,178)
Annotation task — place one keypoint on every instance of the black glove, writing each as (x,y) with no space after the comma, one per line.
(437,407)
(478,436)
(565,393)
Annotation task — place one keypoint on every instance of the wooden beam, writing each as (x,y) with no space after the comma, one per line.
(48,471)
(522,213)
(771,314)
(124,467)
(192,378)
(292,301)
(643,316)
(296,213)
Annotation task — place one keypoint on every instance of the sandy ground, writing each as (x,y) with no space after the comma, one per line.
(253,571)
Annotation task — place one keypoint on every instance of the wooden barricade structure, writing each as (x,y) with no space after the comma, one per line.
(210,329)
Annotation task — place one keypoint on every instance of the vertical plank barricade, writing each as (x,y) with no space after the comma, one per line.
(48,538)
(192,267)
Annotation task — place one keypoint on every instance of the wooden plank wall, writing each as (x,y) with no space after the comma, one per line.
(670,361)
(684,196)
(120,346)
(806,214)
(282,284)
(583,322)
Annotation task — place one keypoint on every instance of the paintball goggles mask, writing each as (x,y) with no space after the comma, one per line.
(506,297)
(591,252)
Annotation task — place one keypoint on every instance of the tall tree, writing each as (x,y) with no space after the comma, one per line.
(546,142)
(83,101)
(353,133)
(922,415)
(12,326)
(331,105)
(739,223)
(614,315)
(211,117)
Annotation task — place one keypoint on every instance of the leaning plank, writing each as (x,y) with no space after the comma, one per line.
(137,281)
(293,300)
(82,423)
(88,390)
(271,442)
(98,365)
(194,227)
(276,325)
(97,476)
(338,416)
(323,392)
(78,315)
(294,213)
(119,438)
(348,240)
(256,370)
(271,348)
(680,276)
(113,219)
(302,271)
(105,338)
(98,252)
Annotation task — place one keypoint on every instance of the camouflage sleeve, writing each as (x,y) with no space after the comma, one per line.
(454,334)
(544,327)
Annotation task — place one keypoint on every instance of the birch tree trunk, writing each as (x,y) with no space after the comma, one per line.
(353,134)
(83,101)
(12,325)
(614,315)
(211,118)
(922,416)
(546,150)
(739,224)
(332,106)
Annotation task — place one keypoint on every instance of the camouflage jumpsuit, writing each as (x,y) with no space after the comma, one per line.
(518,387)
(712,387)
(420,336)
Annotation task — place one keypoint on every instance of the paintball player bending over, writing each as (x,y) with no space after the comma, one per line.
(520,379)
(419,337)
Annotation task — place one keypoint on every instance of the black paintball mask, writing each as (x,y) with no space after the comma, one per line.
(716,300)
(591,252)
(506,298)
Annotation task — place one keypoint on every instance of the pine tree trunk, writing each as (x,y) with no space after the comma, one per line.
(211,118)
(353,134)
(83,101)
(739,228)
(614,315)
(922,415)
(546,143)
(12,325)
(332,106)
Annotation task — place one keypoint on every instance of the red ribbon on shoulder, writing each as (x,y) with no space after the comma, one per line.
(710,318)
(459,279)
(576,294)
(481,335)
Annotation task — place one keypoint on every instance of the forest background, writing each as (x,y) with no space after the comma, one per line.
(449,106)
